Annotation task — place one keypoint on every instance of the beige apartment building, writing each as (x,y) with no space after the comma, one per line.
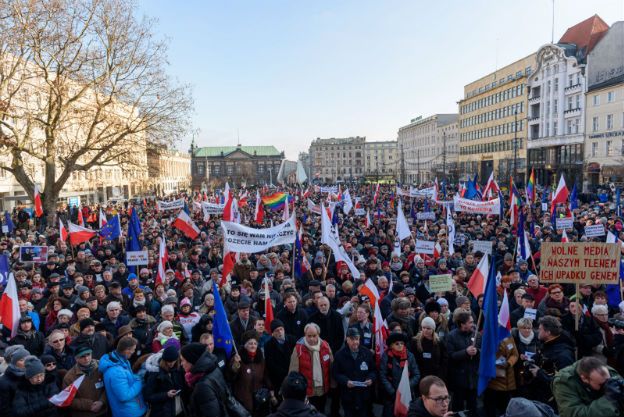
(169,170)
(381,160)
(337,159)
(493,123)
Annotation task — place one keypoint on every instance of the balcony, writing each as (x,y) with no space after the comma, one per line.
(535,99)
(534,120)
(571,89)
(572,112)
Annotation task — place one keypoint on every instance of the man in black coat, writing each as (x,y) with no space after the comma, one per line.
(243,321)
(293,317)
(293,391)
(276,349)
(330,322)
(386,304)
(27,336)
(354,371)
(96,341)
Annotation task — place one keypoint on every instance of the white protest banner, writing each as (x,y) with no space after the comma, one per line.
(5,229)
(460,240)
(330,189)
(423,193)
(426,215)
(544,206)
(477,207)
(239,238)
(425,247)
(484,246)
(594,230)
(137,257)
(210,209)
(359,212)
(171,205)
(316,209)
(564,223)
(580,263)
(440,283)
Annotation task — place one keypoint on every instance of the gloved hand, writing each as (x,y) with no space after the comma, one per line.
(613,390)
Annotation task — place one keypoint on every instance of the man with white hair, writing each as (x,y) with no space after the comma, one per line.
(114,318)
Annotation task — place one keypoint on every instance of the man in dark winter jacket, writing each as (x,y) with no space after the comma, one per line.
(434,399)
(293,317)
(278,347)
(98,343)
(293,391)
(207,382)
(243,321)
(330,322)
(386,304)
(354,366)
(15,355)
(27,336)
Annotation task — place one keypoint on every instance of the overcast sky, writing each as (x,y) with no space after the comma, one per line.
(285,72)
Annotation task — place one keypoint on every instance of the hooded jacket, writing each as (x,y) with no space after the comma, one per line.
(32,400)
(158,382)
(123,388)
(208,393)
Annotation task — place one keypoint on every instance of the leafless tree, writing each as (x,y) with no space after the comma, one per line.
(83,83)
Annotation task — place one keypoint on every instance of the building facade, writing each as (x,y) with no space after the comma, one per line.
(604,111)
(169,170)
(557,104)
(492,123)
(212,166)
(381,160)
(429,148)
(337,159)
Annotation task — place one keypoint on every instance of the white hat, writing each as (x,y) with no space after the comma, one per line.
(164,325)
(428,322)
(65,312)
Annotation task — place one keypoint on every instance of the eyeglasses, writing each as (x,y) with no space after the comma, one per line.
(58,341)
(440,400)
(50,364)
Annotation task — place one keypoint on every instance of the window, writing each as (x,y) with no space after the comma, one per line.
(555,128)
(555,106)
(610,96)
(597,100)
(569,127)
(527,71)
(608,147)
(570,80)
(547,132)
(578,101)
(556,84)
(570,103)
(594,148)
(609,122)
(595,124)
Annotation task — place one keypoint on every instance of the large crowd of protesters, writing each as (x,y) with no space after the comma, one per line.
(147,349)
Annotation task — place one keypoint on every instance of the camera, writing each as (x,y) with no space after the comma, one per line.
(618,324)
(526,368)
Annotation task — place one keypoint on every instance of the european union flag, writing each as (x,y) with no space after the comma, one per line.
(489,345)
(221,327)
(111,230)
(574,198)
(134,230)
(618,198)
(4,270)
(8,222)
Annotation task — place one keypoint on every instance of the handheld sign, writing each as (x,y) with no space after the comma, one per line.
(580,263)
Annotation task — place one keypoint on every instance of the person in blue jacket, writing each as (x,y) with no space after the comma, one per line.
(123,388)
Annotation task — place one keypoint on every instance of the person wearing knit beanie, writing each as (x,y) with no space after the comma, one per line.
(18,355)
(170,354)
(84,323)
(276,324)
(429,323)
(192,352)
(33,367)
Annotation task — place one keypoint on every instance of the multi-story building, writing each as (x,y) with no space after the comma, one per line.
(337,159)
(492,123)
(381,160)
(169,170)
(604,111)
(557,104)
(238,165)
(429,148)
(304,158)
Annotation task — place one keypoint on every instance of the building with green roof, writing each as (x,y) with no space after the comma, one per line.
(212,166)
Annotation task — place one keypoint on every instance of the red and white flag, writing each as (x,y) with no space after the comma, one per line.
(102,219)
(504,317)
(242,198)
(163,257)
(376,195)
(79,234)
(477,282)
(9,307)
(380,328)
(560,196)
(491,188)
(66,397)
(368,219)
(62,231)
(80,218)
(268,306)
(38,203)
(370,290)
(184,223)
(564,237)
(259,214)
(229,260)
(403,394)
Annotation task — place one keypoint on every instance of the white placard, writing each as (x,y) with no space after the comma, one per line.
(426,215)
(594,230)
(530,313)
(484,246)
(425,247)
(477,207)
(210,209)
(5,228)
(565,223)
(137,257)
(239,238)
(544,206)
(360,212)
(171,205)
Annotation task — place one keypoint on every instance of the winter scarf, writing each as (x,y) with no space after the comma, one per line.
(191,379)
(89,368)
(400,356)
(526,340)
(606,330)
(317,370)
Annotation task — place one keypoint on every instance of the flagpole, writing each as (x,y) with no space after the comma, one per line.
(578,307)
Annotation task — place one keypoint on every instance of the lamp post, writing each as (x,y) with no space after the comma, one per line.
(515,157)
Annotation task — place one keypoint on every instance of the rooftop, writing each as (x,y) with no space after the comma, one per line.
(586,34)
(213,151)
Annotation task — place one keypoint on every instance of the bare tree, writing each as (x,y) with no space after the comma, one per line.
(83,83)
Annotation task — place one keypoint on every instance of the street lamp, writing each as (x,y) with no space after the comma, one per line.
(515,159)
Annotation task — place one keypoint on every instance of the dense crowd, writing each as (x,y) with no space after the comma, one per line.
(146,348)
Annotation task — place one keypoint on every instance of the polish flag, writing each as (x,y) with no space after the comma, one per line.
(268,306)
(376,195)
(477,282)
(504,321)
(229,260)
(242,199)
(564,237)
(38,204)
(163,257)
(62,231)
(380,328)
(491,188)
(65,397)
(403,394)
(611,238)
(560,195)
(370,290)
(437,250)
(79,234)
(436,190)
(184,223)
(9,307)
(228,213)
(80,218)
(259,214)
(307,193)
(102,219)
(368,219)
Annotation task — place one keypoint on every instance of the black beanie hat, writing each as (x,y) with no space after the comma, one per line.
(432,306)
(84,323)
(276,324)
(294,387)
(192,352)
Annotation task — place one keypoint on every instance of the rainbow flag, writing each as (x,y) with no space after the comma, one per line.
(530,190)
(276,201)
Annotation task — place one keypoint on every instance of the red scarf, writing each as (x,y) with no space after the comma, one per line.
(607,331)
(400,356)
(191,379)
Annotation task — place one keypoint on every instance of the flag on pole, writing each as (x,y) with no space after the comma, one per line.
(573,198)
(259,214)
(221,327)
(112,229)
(102,219)
(268,306)
(81,221)
(185,224)
(491,188)
(330,237)
(9,307)
(564,237)
(62,231)
(79,234)
(403,394)
(8,222)
(286,212)
(38,203)
(66,397)
(229,260)
(376,196)
(403,229)
(490,341)
(477,282)
(368,219)
(370,290)
(380,328)
(530,190)
(504,319)
(163,257)
(450,224)
(347,204)
(560,195)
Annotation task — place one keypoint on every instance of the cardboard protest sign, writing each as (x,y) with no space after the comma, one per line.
(565,223)
(580,263)
(595,230)
(425,247)
(440,283)
(137,257)
(484,246)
